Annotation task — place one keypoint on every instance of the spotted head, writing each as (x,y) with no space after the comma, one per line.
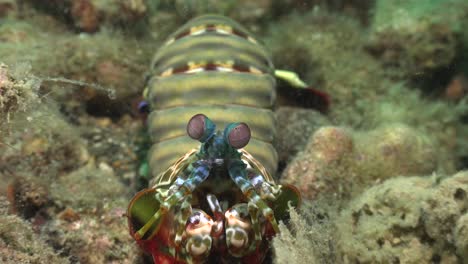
(217,144)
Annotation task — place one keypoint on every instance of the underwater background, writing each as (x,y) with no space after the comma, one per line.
(382,167)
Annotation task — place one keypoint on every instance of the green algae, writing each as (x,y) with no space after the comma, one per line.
(382,224)
(308,237)
(20,244)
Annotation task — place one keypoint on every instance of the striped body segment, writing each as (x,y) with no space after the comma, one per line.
(213,66)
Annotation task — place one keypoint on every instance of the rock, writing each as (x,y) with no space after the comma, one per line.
(406,220)
(19,243)
(461,236)
(27,196)
(294,127)
(342,162)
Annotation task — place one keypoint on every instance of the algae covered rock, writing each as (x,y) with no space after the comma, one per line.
(343,161)
(414,38)
(383,224)
(74,207)
(94,73)
(329,52)
(437,122)
(316,169)
(82,188)
(392,150)
(90,15)
(461,236)
(406,220)
(89,220)
(400,50)
(295,125)
(18,93)
(19,243)
(447,203)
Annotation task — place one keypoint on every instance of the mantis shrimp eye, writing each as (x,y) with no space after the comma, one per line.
(237,135)
(200,127)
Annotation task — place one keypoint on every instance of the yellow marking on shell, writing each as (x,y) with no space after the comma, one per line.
(195,65)
(255,70)
(200,69)
(167,72)
(197,30)
(249,38)
(224,69)
(223,29)
(224,64)
(169,41)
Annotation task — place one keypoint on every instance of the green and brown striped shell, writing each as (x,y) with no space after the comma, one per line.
(231,78)
(214,201)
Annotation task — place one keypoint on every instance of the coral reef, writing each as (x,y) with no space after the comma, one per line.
(324,47)
(51,179)
(407,220)
(71,73)
(104,66)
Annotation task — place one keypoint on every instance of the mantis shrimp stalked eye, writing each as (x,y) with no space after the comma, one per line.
(237,135)
(200,128)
